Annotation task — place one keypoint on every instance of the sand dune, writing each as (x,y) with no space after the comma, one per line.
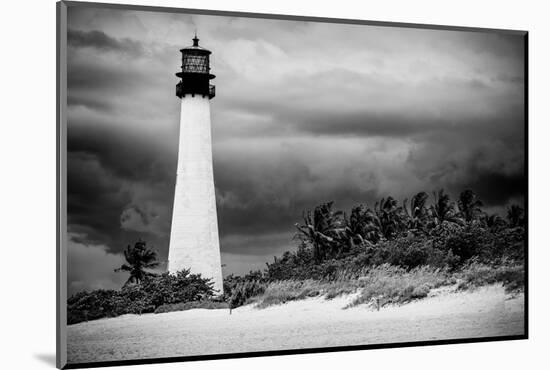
(311,323)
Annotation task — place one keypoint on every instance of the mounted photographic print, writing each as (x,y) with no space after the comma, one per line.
(236,184)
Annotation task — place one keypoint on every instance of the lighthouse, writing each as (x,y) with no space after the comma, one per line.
(194,241)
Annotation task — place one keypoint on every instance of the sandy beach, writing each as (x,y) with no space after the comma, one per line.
(310,323)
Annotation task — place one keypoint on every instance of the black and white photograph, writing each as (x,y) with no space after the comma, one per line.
(240,184)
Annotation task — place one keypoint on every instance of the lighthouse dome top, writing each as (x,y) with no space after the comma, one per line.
(196,47)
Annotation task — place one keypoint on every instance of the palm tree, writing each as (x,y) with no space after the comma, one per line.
(493,222)
(361,226)
(138,259)
(321,229)
(516,215)
(416,211)
(389,217)
(469,205)
(443,209)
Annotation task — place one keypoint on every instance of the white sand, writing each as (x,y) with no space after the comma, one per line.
(310,323)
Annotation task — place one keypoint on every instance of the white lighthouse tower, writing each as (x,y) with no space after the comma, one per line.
(194,241)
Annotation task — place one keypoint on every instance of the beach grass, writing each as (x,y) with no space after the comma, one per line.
(386,284)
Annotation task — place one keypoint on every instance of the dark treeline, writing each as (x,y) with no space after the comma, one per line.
(331,234)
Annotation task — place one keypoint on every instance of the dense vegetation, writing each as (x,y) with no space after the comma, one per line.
(391,253)
(144,292)
(152,294)
(338,252)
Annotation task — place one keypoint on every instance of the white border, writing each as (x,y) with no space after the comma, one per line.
(28,161)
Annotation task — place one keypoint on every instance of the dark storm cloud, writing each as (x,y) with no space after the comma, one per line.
(370,124)
(495,180)
(125,154)
(369,105)
(120,187)
(102,208)
(497,188)
(102,42)
(304,113)
(272,197)
(92,76)
(93,195)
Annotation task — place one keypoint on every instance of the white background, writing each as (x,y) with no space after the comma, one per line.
(27,209)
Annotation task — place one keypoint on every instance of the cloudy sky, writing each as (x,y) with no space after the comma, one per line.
(304,113)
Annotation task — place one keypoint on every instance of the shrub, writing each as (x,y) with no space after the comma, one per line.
(153,292)
(447,245)
(175,288)
(243,291)
(468,242)
(290,264)
(136,300)
(510,244)
(476,274)
(420,291)
(486,245)
(230,282)
(206,304)
(281,292)
(409,252)
(392,284)
(94,305)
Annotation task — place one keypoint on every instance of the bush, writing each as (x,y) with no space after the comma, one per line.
(86,306)
(290,265)
(134,299)
(468,242)
(510,244)
(420,291)
(281,292)
(231,282)
(487,246)
(206,304)
(391,284)
(243,291)
(476,274)
(409,252)
(153,292)
(175,288)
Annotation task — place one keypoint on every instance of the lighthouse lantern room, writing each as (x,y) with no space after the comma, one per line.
(195,72)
